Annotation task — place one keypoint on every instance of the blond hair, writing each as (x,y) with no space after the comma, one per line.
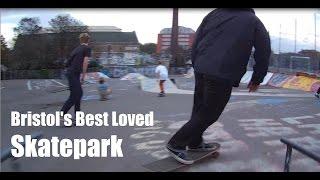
(84,38)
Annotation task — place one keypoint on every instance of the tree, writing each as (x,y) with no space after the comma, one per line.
(45,50)
(28,26)
(65,23)
(34,51)
(68,30)
(149,48)
(4,52)
(26,53)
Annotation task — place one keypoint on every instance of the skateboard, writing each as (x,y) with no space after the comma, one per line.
(170,164)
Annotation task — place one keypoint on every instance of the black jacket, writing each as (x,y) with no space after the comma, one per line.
(224,42)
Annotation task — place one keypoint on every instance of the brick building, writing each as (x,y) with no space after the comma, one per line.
(113,42)
(107,39)
(185,38)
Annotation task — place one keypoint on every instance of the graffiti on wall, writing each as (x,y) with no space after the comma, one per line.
(247,77)
(149,71)
(302,83)
(116,72)
(278,80)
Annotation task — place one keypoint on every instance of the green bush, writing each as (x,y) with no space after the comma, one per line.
(44,73)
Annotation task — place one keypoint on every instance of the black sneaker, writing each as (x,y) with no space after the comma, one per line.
(161,95)
(317,95)
(205,147)
(180,155)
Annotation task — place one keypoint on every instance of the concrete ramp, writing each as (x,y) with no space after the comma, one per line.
(93,77)
(246,78)
(152,85)
(133,77)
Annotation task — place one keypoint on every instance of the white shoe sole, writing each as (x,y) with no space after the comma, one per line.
(179,159)
(203,149)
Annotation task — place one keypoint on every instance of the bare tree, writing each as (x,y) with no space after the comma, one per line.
(4,52)
(28,26)
(67,29)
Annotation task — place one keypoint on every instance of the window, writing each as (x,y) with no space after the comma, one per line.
(164,47)
(184,39)
(184,35)
(166,43)
(128,48)
(166,39)
(183,43)
(185,47)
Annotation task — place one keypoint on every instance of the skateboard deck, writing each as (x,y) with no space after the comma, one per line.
(170,164)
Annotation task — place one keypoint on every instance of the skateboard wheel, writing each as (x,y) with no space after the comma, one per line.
(215,154)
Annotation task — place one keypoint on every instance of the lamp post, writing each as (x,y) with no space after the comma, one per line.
(174,36)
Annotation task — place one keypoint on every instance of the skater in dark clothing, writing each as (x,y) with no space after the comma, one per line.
(76,71)
(220,55)
(317,94)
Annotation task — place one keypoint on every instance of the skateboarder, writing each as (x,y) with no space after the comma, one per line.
(220,55)
(162,74)
(77,64)
(104,89)
(317,94)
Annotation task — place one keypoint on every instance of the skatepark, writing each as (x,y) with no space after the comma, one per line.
(249,129)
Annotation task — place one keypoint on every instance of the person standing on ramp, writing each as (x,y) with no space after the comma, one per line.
(220,55)
(162,74)
(77,64)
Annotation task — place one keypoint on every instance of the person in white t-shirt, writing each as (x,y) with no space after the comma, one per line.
(162,75)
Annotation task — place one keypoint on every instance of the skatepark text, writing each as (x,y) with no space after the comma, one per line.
(25,145)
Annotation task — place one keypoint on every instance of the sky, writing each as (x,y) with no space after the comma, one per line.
(149,22)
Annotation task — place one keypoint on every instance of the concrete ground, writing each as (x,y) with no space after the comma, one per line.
(249,130)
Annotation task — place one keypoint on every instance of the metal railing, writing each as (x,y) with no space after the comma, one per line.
(6,154)
(291,145)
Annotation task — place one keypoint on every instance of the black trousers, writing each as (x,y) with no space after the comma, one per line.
(75,93)
(210,98)
(318,90)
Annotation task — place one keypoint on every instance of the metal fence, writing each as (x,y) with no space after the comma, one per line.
(37,74)
(31,74)
(114,71)
(291,64)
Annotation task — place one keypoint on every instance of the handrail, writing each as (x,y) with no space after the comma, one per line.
(7,152)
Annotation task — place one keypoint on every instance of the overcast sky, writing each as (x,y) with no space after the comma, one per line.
(148,22)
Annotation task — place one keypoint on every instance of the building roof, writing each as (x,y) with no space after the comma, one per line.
(103,29)
(182,30)
(115,37)
(90,28)
(102,37)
